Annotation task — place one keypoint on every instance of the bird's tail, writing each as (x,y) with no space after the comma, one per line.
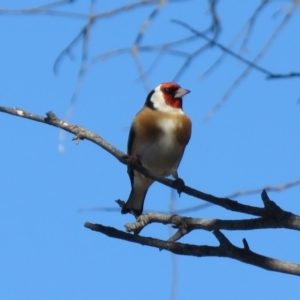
(135,202)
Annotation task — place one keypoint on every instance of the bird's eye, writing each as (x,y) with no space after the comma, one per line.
(167,91)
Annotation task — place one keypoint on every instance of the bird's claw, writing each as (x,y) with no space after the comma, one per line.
(179,185)
(131,160)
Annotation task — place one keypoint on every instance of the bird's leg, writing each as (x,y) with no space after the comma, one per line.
(178,183)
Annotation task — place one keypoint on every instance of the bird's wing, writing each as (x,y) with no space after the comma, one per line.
(131,138)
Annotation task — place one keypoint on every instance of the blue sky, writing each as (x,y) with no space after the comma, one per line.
(251,142)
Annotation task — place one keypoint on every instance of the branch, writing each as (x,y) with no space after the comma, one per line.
(276,188)
(215,26)
(272,216)
(177,211)
(254,62)
(275,218)
(251,64)
(223,48)
(225,249)
(267,188)
(44,10)
(135,48)
(284,76)
(250,23)
(82,133)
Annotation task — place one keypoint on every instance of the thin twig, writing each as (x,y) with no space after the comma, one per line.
(250,23)
(267,188)
(245,73)
(189,60)
(223,48)
(106,14)
(215,26)
(140,36)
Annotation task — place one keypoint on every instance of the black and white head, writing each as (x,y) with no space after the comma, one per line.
(166,97)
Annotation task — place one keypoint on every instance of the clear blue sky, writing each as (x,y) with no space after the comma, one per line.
(251,142)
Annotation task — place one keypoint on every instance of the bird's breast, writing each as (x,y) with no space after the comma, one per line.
(161,151)
(167,138)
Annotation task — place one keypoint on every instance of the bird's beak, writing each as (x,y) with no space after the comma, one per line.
(181,92)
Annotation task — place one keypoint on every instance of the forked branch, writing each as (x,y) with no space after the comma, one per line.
(80,133)
(225,249)
(269,216)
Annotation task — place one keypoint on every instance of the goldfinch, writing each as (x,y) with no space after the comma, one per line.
(157,139)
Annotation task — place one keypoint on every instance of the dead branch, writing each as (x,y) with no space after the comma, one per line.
(215,26)
(135,48)
(270,216)
(82,133)
(254,62)
(168,48)
(225,249)
(250,23)
(44,10)
(239,193)
(267,188)
(274,217)
(223,48)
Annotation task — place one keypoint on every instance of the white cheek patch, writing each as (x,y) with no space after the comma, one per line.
(158,100)
(159,103)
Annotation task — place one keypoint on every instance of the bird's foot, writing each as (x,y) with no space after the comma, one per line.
(179,185)
(131,160)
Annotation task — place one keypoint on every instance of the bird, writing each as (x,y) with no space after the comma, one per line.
(157,139)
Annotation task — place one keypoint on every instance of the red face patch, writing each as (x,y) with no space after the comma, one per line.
(170,85)
(169,89)
(173,102)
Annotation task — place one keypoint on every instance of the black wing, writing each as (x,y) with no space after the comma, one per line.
(131,138)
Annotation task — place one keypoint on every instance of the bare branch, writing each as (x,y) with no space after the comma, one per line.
(56,3)
(140,35)
(214,43)
(85,33)
(189,60)
(245,73)
(275,217)
(42,10)
(215,26)
(226,249)
(81,133)
(267,188)
(68,49)
(138,62)
(147,22)
(271,215)
(106,14)
(284,76)
(251,22)
(223,48)
(177,211)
